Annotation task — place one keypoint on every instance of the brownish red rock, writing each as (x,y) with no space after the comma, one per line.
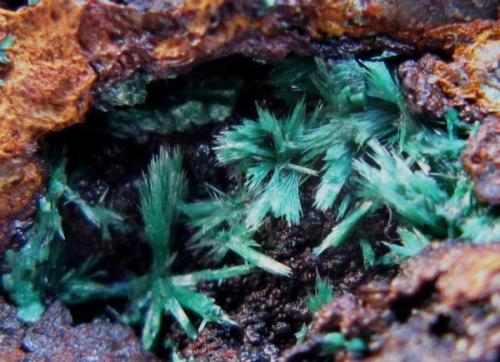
(46,88)
(482,160)
(443,306)
(421,87)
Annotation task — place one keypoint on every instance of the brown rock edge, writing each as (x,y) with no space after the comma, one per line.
(443,306)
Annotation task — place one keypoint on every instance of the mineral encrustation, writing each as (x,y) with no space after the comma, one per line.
(64,53)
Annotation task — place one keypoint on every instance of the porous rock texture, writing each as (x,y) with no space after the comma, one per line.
(65,52)
(471,84)
(443,306)
(54,338)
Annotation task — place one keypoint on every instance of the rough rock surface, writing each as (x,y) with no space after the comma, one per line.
(443,306)
(64,49)
(422,90)
(471,84)
(269,310)
(46,88)
(54,338)
(482,160)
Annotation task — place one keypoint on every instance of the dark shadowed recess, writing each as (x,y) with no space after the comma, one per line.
(13,4)
(102,167)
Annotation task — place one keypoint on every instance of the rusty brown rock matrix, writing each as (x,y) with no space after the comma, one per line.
(65,51)
(443,306)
